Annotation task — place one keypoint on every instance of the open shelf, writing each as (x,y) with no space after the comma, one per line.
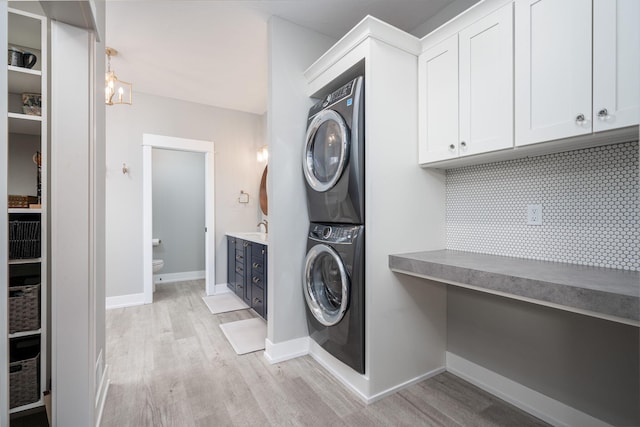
(24,261)
(25,333)
(25,124)
(33,405)
(25,211)
(24,80)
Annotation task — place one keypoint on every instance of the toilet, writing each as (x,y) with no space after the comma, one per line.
(157,265)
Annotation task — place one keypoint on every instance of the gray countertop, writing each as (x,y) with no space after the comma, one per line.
(601,292)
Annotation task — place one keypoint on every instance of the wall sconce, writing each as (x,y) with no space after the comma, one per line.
(263,153)
(112,85)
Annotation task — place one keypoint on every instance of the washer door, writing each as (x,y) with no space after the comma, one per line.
(327,150)
(326,285)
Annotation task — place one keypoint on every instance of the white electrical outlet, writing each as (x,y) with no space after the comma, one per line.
(534,214)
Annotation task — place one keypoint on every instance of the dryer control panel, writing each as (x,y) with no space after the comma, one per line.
(335,96)
(334,233)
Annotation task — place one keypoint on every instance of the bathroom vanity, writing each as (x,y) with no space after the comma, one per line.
(247,269)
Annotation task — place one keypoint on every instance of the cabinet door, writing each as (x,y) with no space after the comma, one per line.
(486,83)
(553,69)
(246,293)
(438,99)
(616,63)
(231,263)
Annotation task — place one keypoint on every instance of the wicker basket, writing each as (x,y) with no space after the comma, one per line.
(24,239)
(24,387)
(24,308)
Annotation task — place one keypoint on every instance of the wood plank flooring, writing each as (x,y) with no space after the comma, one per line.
(170,365)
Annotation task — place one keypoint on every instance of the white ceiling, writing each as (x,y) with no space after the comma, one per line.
(215,52)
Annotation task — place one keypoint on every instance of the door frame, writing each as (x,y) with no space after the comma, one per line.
(149,142)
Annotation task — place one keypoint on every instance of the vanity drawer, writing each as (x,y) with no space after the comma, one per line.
(258,302)
(257,264)
(258,280)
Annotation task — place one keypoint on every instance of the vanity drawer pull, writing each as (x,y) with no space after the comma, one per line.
(257,301)
(256,279)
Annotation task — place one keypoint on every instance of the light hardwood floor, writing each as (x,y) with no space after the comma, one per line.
(170,365)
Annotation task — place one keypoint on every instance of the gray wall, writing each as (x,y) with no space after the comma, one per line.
(178,210)
(23,173)
(236,136)
(291,50)
(589,364)
(591,209)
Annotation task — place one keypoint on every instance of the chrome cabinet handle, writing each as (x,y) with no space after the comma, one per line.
(256,265)
(256,280)
(257,301)
(603,114)
(245,244)
(580,119)
(463,144)
(452,147)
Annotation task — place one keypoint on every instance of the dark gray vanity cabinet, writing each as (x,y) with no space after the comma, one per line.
(247,272)
(231,263)
(259,279)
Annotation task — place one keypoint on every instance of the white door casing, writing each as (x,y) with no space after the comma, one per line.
(149,142)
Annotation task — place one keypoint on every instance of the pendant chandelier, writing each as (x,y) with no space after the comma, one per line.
(115,91)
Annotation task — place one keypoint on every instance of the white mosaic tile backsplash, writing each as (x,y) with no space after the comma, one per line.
(590,207)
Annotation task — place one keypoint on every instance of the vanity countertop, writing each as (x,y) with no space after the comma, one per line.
(607,293)
(252,236)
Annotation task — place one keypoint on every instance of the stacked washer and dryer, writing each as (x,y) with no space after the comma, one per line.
(333,277)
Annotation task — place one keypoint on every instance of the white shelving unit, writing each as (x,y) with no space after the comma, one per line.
(27,32)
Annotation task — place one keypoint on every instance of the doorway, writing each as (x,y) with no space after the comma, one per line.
(149,142)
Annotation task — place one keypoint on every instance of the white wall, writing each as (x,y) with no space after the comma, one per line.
(178,210)
(236,136)
(291,50)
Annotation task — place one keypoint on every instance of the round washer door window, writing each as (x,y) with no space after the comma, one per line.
(326,285)
(326,151)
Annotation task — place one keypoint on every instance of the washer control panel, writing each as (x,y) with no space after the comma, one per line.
(334,233)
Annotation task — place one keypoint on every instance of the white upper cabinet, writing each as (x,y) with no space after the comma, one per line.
(553,69)
(438,101)
(486,83)
(616,63)
(466,91)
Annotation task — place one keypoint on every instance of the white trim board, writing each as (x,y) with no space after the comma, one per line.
(537,404)
(101,397)
(220,288)
(280,352)
(150,141)
(121,301)
(179,277)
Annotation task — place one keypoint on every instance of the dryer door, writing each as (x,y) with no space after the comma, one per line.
(327,150)
(326,284)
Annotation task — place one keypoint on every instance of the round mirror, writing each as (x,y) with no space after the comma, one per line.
(263,192)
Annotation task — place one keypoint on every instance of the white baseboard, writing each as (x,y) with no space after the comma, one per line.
(121,301)
(356,382)
(221,288)
(531,401)
(179,277)
(101,395)
(276,353)
(408,383)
